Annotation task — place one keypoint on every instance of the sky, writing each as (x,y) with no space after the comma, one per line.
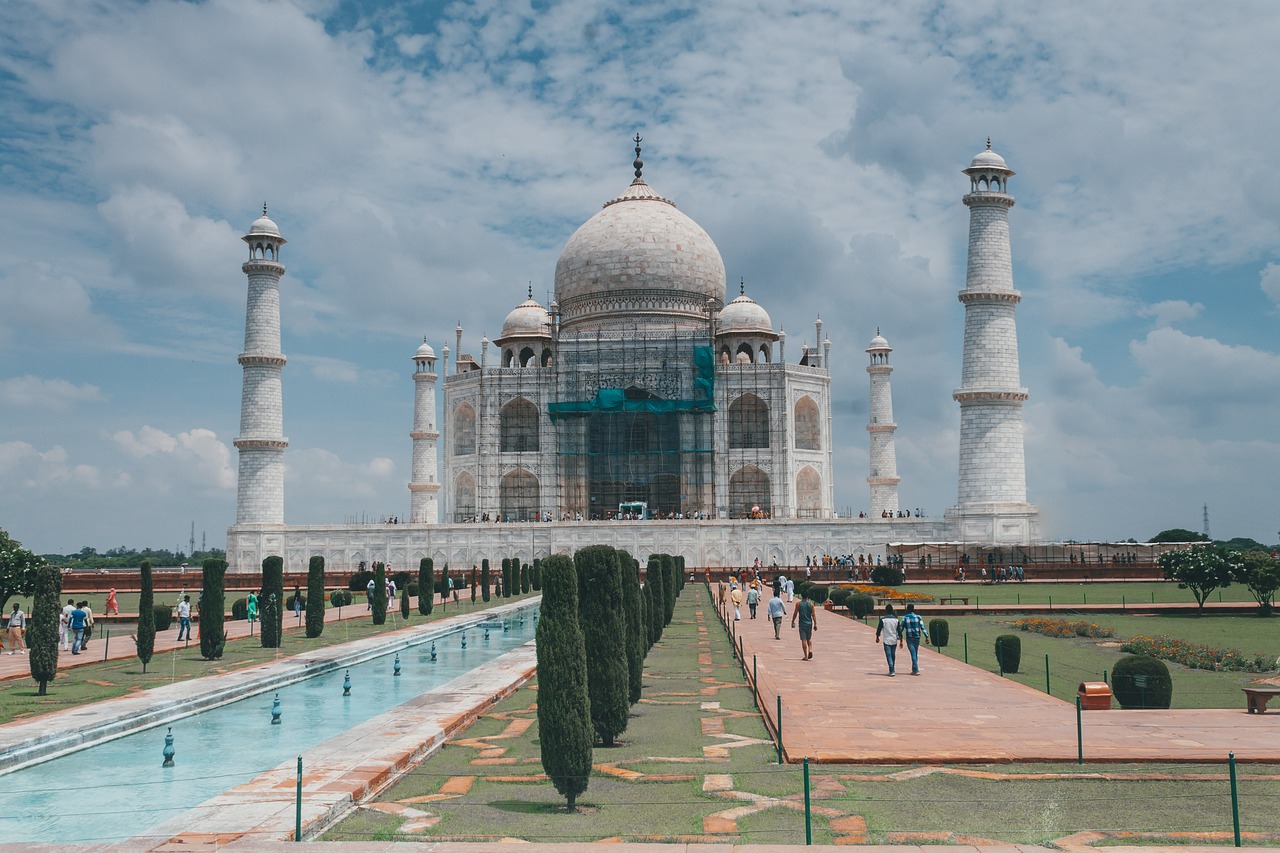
(427,162)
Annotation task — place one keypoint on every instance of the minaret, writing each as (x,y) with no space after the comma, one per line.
(883,477)
(993,481)
(260,491)
(424,487)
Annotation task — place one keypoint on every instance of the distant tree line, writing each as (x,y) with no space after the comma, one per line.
(129,558)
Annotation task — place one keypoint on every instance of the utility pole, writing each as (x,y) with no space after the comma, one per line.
(192,552)
(1206,523)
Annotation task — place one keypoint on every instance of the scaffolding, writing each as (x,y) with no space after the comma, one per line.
(634,415)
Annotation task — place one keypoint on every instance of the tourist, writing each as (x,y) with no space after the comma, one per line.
(790,587)
(369,586)
(76,620)
(753,598)
(113,607)
(17,622)
(88,624)
(64,626)
(184,618)
(776,611)
(736,596)
(808,624)
(297,602)
(888,628)
(251,609)
(912,627)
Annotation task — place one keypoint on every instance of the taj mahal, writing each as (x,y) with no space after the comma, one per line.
(645,409)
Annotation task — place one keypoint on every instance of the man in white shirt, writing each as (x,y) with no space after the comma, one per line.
(64,630)
(888,628)
(184,618)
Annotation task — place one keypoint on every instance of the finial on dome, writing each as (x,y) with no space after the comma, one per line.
(988,143)
(742,286)
(530,290)
(877,331)
(638,164)
(264,208)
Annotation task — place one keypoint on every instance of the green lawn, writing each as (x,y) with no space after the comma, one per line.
(1066,595)
(1008,803)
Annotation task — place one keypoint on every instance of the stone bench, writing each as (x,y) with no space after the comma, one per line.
(1257,697)
(962,599)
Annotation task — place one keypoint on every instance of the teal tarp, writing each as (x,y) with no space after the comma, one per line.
(615,399)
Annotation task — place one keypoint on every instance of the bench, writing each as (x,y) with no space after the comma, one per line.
(963,599)
(1257,697)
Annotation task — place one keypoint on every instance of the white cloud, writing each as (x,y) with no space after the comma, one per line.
(1171,311)
(195,459)
(54,395)
(1271,282)
(26,469)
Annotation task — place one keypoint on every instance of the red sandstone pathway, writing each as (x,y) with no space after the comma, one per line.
(841,707)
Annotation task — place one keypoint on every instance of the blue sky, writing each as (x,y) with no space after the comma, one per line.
(427,161)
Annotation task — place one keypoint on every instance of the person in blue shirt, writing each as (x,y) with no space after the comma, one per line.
(912,628)
(77,619)
(776,611)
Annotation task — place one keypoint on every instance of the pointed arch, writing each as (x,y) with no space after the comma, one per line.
(808,493)
(518,496)
(808,424)
(749,489)
(464,497)
(748,423)
(464,430)
(518,427)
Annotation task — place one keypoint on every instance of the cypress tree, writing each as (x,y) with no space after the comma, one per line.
(379,593)
(146,637)
(646,608)
(502,579)
(681,571)
(42,633)
(315,597)
(535,575)
(524,578)
(272,603)
(635,624)
(473,584)
(564,711)
(658,600)
(484,579)
(604,630)
(213,600)
(426,585)
(670,583)
(404,602)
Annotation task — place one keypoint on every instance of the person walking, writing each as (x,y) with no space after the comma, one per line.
(64,626)
(753,599)
(76,620)
(736,597)
(113,606)
(17,624)
(887,628)
(808,618)
(369,587)
(88,624)
(912,627)
(184,618)
(776,611)
(251,609)
(791,589)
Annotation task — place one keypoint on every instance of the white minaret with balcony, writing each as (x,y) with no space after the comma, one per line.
(992,494)
(424,488)
(261,444)
(883,477)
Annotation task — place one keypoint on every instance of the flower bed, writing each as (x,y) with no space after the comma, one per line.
(1063,628)
(1195,655)
(888,592)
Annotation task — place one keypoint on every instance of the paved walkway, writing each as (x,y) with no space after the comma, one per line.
(841,707)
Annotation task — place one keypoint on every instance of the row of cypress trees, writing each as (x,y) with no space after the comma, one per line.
(591,651)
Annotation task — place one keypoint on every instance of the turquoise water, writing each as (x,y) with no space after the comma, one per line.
(117,790)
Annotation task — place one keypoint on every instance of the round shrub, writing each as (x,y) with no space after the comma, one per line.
(401,579)
(340,598)
(861,605)
(939,632)
(412,589)
(240,609)
(1009,652)
(359,582)
(818,593)
(163,616)
(839,597)
(1139,681)
(886,576)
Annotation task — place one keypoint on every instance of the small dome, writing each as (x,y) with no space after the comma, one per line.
(264,225)
(988,159)
(878,343)
(424,351)
(527,320)
(743,316)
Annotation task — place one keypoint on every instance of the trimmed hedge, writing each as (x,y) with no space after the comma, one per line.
(861,605)
(162,615)
(1009,652)
(939,632)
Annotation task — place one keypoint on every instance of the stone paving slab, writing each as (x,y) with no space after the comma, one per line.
(841,707)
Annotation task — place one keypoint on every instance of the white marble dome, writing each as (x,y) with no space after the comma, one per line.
(744,316)
(424,351)
(264,225)
(878,343)
(988,159)
(527,320)
(638,261)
